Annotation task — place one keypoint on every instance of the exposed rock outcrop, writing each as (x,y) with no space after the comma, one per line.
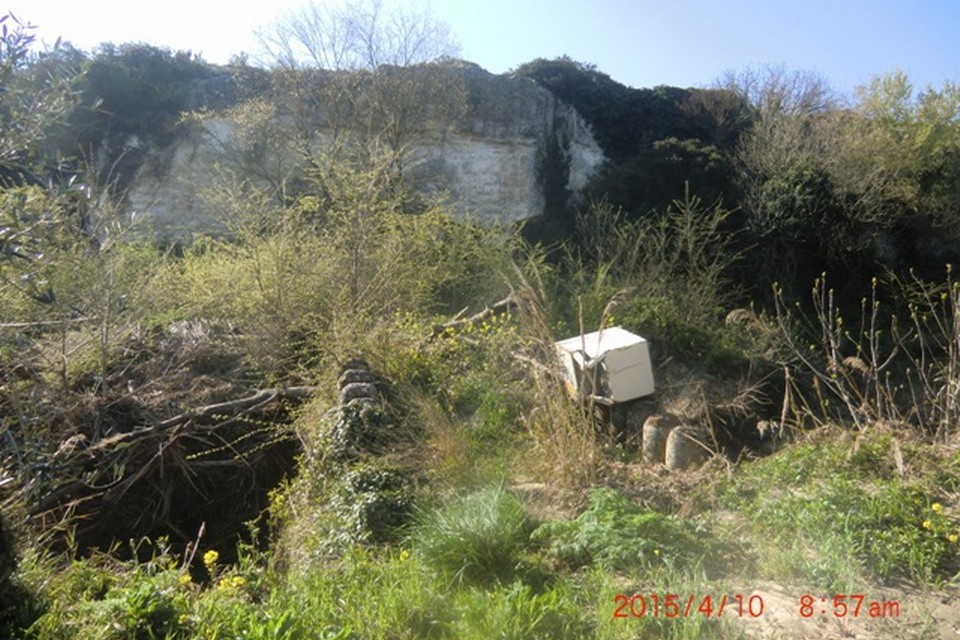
(512,143)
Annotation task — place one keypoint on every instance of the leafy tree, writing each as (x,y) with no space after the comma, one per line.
(57,234)
(138,90)
(626,121)
(657,140)
(901,150)
(793,206)
(791,127)
(852,189)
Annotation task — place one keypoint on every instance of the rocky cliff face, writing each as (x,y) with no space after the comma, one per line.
(494,163)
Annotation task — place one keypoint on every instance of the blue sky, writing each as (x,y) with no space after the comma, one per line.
(641,43)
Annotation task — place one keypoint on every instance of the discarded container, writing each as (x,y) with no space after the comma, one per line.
(686,447)
(656,430)
(611,366)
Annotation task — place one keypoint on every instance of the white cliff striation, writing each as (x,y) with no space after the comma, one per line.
(493,164)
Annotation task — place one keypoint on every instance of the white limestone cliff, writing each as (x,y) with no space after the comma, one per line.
(492,164)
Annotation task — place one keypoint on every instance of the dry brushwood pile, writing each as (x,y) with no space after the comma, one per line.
(170,441)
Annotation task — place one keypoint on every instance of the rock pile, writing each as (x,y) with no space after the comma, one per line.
(374,498)
(358,382)
(359,425)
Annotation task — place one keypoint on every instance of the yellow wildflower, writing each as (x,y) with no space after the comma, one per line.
(936,507)
(210,557)
(927,524)
(231,582)
(185,579)
(953,538)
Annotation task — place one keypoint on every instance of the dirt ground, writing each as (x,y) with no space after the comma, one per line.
(927,615)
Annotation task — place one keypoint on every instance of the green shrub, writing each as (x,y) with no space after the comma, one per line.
(486,397)
(116,601)
(666,276)
(476,538)
(618,534)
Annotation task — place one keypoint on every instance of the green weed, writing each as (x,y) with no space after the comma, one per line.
(116,602)
(617,534)
(517,612)
(834,516)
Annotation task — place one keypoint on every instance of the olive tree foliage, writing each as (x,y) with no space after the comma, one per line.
(63,268)
(29,103)
(34,97)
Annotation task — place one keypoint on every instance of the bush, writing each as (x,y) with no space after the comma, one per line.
(618,534)
(667,277)
(303,291)
(475,538)
(116,601)
(373,503)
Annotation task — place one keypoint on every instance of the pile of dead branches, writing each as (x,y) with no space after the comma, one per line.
(173,440)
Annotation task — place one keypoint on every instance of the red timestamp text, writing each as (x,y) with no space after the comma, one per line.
(672,605)
(847,605)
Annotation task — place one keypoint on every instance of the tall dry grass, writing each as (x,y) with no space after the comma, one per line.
(563,431)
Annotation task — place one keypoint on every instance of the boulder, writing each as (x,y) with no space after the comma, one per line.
(356,390)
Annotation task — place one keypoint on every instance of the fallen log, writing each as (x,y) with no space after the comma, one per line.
(252,402)
(452,327)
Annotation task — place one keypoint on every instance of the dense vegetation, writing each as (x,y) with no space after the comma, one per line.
(656,139)
(300,430)
(817,184)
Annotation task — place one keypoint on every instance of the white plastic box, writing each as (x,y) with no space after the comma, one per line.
(611,366)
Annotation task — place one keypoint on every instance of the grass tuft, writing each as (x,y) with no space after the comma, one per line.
(477,538)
